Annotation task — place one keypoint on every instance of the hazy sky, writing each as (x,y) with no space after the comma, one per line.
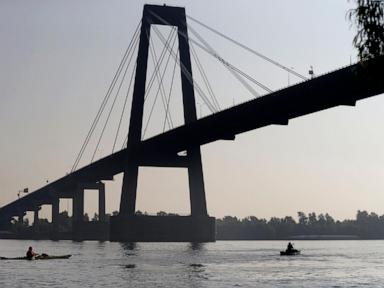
(57,59)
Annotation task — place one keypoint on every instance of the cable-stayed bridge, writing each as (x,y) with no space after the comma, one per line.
(180,147)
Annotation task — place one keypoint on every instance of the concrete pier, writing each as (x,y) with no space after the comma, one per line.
(198,227)
(101,202)
(55,210)
(82,230)
(78,205)
(162,229)
(20,217)
(36,218)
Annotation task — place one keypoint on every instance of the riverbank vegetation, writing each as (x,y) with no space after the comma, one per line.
(306,226)
(364,226)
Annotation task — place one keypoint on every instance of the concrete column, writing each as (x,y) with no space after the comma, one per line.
(78,205)
(21,217)
(196,183)
(55,212)
(102,202)
(128,192)
(36,217)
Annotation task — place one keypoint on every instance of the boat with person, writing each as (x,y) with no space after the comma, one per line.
(38,257)
(290,251)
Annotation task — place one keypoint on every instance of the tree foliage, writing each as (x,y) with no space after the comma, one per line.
(368,17)
(365,226)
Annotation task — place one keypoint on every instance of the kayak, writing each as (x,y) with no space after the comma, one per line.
(289,253)
(38,257)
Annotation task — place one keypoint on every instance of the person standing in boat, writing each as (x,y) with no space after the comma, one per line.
(289,246)
(30,253)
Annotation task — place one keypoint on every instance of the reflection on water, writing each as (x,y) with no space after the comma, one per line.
(196,270)
(221,264)
(129,245)
(196,246)
(196,265)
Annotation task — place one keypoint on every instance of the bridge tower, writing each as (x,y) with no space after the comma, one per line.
(127,226)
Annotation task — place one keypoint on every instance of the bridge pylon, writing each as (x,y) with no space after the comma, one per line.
(127,226)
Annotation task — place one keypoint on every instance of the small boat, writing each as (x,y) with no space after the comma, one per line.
(289,252)
(38,257)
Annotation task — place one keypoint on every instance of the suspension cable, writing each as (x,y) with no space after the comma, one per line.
(208,49)
(114,101)
(186,73)
(125,142)
(170,90)
(162,55)
(125,103)
(106,97)
(162,90)
(101,109)
(249,49)
(183,69)
(159,89)
(204,76)
(152,78)
(212,51)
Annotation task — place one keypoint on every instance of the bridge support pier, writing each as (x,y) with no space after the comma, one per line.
(78,204)
(78,213)
(162,228)
(36,216)
(78,200)
(55,216)
(102,202)
(20,217)
(127,226)
(94,229)
(36,219)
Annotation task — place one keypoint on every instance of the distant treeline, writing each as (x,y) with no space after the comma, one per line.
(365,226)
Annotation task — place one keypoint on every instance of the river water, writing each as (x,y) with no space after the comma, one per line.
(220,264)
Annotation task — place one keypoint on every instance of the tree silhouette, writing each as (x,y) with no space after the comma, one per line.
(368,16)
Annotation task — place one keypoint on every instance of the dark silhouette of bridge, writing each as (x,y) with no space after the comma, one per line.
(341,87)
